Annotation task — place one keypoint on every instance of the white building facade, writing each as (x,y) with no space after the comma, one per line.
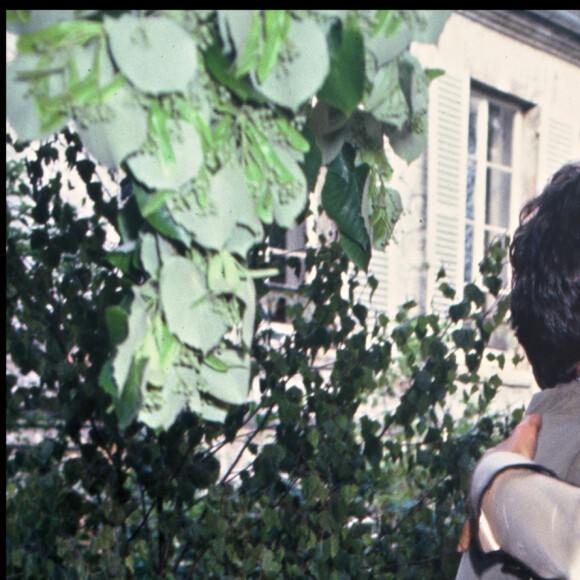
(502,119)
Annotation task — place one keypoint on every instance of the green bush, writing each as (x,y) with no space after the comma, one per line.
(319,488)
(132,448)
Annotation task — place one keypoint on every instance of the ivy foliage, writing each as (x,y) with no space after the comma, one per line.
(306,482)
(220,121)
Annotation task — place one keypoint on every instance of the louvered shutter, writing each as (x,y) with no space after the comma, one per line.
(379,268)
(559,143)
(446,183)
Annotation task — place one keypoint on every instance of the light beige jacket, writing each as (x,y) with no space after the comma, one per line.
(535,513)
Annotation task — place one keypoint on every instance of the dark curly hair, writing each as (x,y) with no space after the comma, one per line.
(545,296)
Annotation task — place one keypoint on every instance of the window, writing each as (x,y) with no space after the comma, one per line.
(286,249)
(490,180)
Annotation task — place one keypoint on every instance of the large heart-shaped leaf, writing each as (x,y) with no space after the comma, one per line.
(341,199)
(407,144)
(189,307)
(301,68)
(229,203)
(156,54)
(114,130)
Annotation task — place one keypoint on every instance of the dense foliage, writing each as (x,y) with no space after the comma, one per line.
(220,120)
(170,471)
(305,482)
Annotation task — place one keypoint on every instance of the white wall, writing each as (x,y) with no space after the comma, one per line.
(549,89)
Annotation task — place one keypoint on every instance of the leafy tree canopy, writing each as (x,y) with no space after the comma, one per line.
(306,482)
(220,120)
(133,363)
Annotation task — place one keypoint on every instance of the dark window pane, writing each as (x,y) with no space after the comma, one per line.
(468,267)
(472,135)
(470,193)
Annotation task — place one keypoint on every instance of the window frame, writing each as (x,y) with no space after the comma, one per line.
(480,227)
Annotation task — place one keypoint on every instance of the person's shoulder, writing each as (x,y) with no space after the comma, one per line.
(562,398)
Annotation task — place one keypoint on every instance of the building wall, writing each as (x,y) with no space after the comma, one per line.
(546,87)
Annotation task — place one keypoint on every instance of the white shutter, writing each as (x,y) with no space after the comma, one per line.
(559,143)
(379,268)
(446,183)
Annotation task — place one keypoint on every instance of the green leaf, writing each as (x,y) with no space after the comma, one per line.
(189,308)
(246,28)
(151,203)
(107,380)
(129,222)
(344,85)
(464,338)
(123,257)
(430,24)
(247,294)
(276,27)
(447,290)
(128,404)
(158,131)
(221,67)
(493,283)
(359,255)
(59,35)
(414,84)
(172,401)
(170,170)
(433,73)
(215,363)
(406,143)
(210,411)
(116,319)
(386,211)
(341,199)
(229,203)
(391,38)
(474,294)
(23,109)
(230,385)
(155,53)
(137,329)
(297,76)
(295,139)
(148,254)
(312,160)
(289,200)
(460,310)
(114,131)
(161,219)
(223,273)
(330,128)
(386,101)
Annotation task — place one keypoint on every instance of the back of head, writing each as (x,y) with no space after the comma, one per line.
(545,298)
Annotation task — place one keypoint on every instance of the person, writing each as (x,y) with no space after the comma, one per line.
(524,500)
